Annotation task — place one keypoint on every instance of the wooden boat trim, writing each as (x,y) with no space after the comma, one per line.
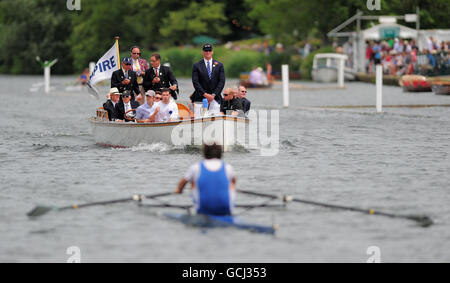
(103,122)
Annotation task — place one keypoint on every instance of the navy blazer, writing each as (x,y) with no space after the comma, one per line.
(116,81)
(111,109)
(245,104)
(167,79)
(203,84)
(120,109)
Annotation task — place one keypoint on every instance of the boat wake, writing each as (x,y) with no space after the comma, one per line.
(153,147)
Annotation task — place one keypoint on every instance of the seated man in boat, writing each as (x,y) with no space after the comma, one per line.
(241,95)
(213,183)
(231,105)
(124,107)
(110,105)
(84,77)
(166,111)
(257,77)
(146,112)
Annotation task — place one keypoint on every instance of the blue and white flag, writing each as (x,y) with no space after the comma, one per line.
(104,68)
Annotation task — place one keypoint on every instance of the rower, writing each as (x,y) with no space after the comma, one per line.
(213,183)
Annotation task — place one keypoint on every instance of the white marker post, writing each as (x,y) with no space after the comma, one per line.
(379,83)
(47,79)
(285,77)
(47,65)
(341,72)
(91,67)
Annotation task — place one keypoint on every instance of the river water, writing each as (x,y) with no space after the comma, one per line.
(397,162)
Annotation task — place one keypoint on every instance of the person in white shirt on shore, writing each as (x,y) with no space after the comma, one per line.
(166,111)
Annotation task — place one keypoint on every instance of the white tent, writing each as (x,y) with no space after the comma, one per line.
(438,34)
(374,33)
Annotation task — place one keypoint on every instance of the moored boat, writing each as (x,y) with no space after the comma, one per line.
(441,87)
(415,83)
(247,84)
(325,68)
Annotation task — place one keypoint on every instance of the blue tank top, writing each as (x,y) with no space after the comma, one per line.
(213,192)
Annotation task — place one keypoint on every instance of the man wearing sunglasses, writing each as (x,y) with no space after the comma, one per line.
(139,66)
(231,105)
(208,78)
(242,93)
(125,79)
(124,106)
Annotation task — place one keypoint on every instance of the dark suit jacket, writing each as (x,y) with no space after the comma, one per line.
(245,104)
(203,84)
(120,109)
(231,105)
(108,106)
(167,79)
(116,81)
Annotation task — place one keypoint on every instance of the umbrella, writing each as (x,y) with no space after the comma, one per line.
(202,39)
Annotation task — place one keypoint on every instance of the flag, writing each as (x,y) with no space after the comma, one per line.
(104,68)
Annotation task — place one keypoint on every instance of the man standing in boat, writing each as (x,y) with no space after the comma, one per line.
(139,66)
(125,79)
(208,78)
(213,183)
(159,77)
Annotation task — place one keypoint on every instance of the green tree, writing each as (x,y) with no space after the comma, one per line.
(434,14)
(30,28)
(94,29)
(293,20)
(198,18)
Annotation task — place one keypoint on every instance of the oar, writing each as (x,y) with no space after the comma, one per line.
(422,220)
(41,210)
(246,206)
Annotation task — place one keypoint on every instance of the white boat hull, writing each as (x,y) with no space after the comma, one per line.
(329,75)
(225,130)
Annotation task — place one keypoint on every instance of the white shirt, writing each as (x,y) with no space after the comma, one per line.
(156,70)
(256,77)
(166,111)
(210,64)
(136,65)
(127,106)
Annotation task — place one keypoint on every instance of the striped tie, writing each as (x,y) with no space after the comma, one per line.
(209,70)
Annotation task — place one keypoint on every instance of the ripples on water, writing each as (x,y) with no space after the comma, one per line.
(397,161)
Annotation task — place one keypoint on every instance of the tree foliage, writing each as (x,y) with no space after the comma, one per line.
(33,28)
(208,18)
(46,28)
(288,20)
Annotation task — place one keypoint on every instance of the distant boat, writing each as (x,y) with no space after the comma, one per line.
(441,87)
(247,84)
(325,68)
(415,83)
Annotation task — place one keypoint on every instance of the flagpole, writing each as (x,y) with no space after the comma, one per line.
(118,53)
